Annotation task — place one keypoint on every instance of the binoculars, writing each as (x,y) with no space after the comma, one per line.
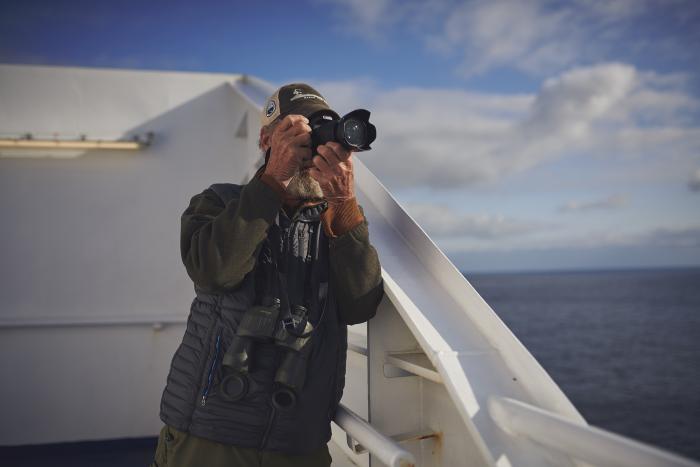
(262,324)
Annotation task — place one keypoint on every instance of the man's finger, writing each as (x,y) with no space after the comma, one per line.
(288,121)
(303,139)
(298,128)
(322,165)
(329,154)
(318,175)
(341,151)
(301,153)
(285,123)
(327,169)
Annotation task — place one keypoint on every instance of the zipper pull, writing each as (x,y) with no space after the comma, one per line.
(203,402)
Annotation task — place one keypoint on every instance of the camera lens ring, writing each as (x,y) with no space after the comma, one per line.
(355,132)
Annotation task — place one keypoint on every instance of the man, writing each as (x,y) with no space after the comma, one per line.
(280,266)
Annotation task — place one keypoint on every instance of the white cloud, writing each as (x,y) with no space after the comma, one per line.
(538,37)
(611,202)
(583,93)
(459,232)
(441,221)
(375,19)
(568,105)
(450,138)
(614,10)
(492,34)
(680,236)
(363,17)
(367,12)
(675,237)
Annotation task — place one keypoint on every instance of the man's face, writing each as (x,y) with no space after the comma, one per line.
(302,185)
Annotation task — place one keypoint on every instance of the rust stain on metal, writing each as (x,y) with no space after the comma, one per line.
(437,446)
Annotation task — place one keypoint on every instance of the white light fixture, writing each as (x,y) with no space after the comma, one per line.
(29,142)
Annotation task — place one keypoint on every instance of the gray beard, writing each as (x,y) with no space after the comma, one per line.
(302,185)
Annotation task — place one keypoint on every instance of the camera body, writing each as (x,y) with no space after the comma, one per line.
(353,131)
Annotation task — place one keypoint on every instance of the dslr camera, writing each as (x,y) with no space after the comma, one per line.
(353,131)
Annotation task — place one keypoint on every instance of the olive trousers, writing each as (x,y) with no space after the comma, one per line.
(178,449)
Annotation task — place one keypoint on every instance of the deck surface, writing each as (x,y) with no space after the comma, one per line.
(113,453)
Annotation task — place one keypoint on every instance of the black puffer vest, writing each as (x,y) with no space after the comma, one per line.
(192,401)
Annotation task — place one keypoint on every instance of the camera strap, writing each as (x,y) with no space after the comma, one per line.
(315,288)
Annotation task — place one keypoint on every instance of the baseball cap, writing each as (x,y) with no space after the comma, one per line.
(295,98)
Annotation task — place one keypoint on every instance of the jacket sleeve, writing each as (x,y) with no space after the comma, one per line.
(218,242)
(356,275)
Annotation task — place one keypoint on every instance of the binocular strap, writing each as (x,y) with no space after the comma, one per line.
(315,287)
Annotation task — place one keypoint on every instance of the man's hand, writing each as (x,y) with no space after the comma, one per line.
(290,142)
(332,169)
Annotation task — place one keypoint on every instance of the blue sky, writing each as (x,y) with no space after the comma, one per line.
(521,134)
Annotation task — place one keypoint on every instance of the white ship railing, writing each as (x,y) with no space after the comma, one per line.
(584,442)
(518,419)
(467,350)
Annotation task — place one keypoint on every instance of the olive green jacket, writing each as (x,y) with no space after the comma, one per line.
(218,244)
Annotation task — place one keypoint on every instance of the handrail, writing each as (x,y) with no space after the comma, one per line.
(379,445)
(584,442)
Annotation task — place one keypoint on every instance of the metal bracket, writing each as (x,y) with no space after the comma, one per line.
(357,448)
(410,363)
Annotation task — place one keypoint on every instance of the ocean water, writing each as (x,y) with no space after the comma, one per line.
(623,345)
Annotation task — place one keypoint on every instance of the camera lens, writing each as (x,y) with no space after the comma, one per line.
(354,132)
